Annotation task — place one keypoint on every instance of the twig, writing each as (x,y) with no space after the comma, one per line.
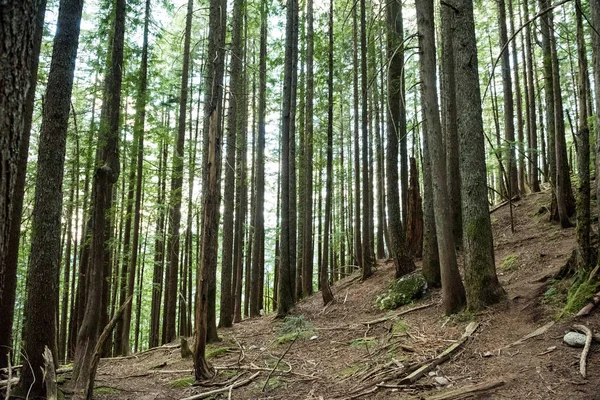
(50,375)
(397,314)
(539,331)
(221,390)
(467,391)
(278,361)
(586,349)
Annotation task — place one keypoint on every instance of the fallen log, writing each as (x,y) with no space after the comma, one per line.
(468,391)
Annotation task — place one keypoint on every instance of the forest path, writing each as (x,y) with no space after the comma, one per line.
(336,352)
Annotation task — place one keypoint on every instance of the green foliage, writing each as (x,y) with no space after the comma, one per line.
(509,263)
(213,352)
(106,390)
(402,291)
(182,383)
(293,326)
(349,371)
(400,327)
(363,343)
(578,296)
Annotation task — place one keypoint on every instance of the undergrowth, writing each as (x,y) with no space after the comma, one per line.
(510,263)
(292,327)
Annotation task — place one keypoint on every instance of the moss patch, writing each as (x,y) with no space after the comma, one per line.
(214,352)
(400,327)
(349,371)
(182,383)
(106,390)
(579,296)
(510,263)
(363,344)
(293,326)
(402,291)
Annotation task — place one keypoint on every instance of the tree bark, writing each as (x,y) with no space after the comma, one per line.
(21,31)
(481,282)
(453,292)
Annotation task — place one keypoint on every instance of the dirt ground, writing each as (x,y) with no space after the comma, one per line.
(339,356)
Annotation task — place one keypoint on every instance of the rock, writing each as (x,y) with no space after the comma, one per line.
(253,347)
(432,373)
(313,337)
(442,381)
(488,354)
(574,339)
(402,291)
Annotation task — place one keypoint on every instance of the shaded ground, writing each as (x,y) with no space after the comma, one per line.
(336,352)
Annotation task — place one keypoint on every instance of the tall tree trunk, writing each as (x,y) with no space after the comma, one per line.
(366,261)
(212,186)
(396,129)
(106,175)
(595,17)
(453,292)
(449,124)
(325,289)
(534,182)
(519,101)
(137,155)
(307,246)
(582,140)
(171,294)
(21,37)
(481,282)
(39,327)
(64,306)
(233,126)
(355,68)
(259,226)
(509,123)
(286,288)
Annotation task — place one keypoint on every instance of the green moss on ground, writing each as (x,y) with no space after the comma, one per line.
(214,352)
(510,263)
(402,291)
(182,383)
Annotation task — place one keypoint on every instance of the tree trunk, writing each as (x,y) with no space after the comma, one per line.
(211,179)
(234,124)
(39,328)
(105,177)
(414,223)
(20,37)
(481,282)
(595,17)
(534,182)
(259,225)
(355,68)
(453,292)
(325,289)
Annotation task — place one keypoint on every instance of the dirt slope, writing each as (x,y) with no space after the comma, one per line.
(335,355)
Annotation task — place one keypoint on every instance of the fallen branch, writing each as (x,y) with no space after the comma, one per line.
(397,314)
(9,377)
(467,391)
(49,375)
(499,206)
(89,388)
(586,349)
(539,331)
(6,382)
(587,309)
(443,357)
(278,361)
(222,390)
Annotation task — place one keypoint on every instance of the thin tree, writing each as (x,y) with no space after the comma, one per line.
(19,78)
(595,17)
(307,246)
(138,156)
(481,282)
(235,102)
(534,182)
(211,178)
(39,328)
(357,191)
(106,175)
(396,128)
(367,261)
(259,226)
(174,218)
(285,298)
(453,292)
(325,289)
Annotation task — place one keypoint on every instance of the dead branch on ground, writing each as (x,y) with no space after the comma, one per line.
(397,314)
(279,361)
(468,391)
(222,390)
(586,349)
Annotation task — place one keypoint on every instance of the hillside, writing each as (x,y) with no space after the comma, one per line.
(339,356)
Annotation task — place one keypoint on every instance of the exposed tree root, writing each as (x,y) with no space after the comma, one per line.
(468,391)
(586,349)
(222,390)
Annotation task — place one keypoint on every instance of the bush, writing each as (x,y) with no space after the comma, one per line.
(402,291)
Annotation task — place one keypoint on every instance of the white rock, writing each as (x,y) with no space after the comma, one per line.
(442,381)
(432,373)
(253,347)
(313,337)
(574,339)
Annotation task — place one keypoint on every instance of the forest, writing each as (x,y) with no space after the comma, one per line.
(173,169)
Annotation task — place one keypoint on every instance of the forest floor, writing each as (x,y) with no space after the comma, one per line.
(339,356)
